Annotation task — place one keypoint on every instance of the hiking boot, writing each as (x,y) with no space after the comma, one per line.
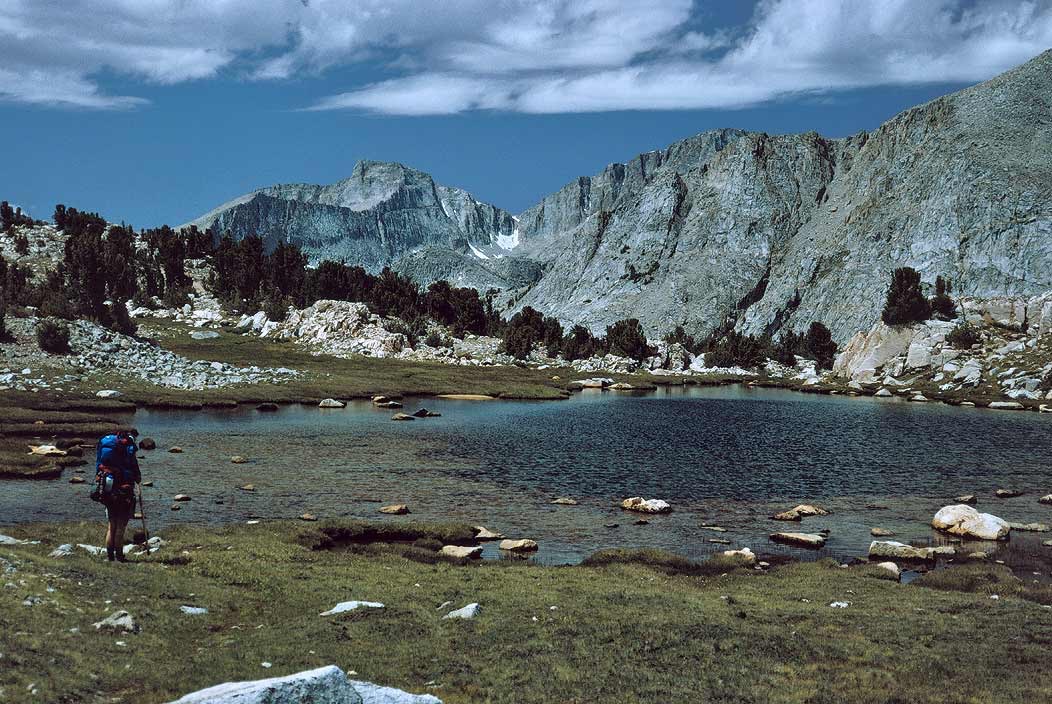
(109,554)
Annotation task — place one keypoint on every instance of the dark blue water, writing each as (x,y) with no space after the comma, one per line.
(729,456)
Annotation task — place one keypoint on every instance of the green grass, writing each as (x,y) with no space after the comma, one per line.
(623,630)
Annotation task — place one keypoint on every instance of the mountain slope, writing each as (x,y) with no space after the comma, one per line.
(763,232)
(381,213)
(778,231)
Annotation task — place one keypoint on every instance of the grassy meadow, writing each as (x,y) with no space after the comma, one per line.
(627,626)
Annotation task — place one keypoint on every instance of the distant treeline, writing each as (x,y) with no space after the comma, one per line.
(103,269)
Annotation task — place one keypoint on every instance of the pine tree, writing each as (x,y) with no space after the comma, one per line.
(906,303)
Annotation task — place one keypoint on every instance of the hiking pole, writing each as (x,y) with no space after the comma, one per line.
(142,514)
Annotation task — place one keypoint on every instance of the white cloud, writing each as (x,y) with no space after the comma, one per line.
(790,47)
(538,56)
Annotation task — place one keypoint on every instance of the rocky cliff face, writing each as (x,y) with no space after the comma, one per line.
(766,232)
(779,231)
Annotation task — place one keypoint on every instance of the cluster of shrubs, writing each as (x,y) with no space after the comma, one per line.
(10,217)
(729,348)
(529,328)
(906,303)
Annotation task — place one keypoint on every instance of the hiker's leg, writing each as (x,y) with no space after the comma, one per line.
(118,542)
(111,533)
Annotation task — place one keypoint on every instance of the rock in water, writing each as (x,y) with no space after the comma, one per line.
(267,407)
(181,497)
(807,540)
(147,444)
(1006,406)
(238,459)
(395,509)
(524,545)
(487,534)
(963,520)
(800,511)
(638,503)
(881,532)
(1031,527)
(1007,493)
(331,403)
(564,501)
(966,499)
(175,449)
(402,416)
(901,551)
(1047,499)
(46,451)
(461,552)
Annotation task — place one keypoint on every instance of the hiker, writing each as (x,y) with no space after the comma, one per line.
(116,474)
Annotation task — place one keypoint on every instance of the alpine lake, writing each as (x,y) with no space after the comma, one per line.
(725,458)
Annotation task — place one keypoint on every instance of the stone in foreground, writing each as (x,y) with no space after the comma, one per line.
(638,503)
(800,511)
(807,540)
(461,552)
(118,621)
(963,520)
(468,612)
(745,555)
(524,545)
(890,567)
(351,606)
(325,685)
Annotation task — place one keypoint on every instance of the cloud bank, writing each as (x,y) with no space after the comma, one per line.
(532,56)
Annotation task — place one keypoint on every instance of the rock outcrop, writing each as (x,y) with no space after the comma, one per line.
(963,520)
(324,685)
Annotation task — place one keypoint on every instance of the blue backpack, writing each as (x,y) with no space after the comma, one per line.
(115,466)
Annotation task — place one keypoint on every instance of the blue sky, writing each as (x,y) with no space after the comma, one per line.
(154,111)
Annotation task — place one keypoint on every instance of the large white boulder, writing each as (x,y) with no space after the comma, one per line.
(963,520)
(638,503)
(325,685)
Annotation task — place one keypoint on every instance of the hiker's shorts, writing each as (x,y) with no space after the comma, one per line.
(120,511)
